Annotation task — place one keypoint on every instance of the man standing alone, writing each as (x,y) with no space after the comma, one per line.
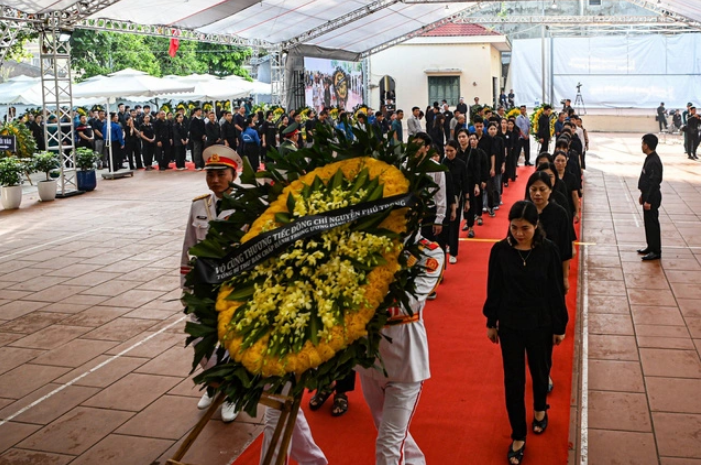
(544,129)
(414,124)
(524,124)
(651,198)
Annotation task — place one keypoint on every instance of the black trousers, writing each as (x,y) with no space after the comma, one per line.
(516,347)
(252,152)
(346,384)
(147,151)
(510,171)
(180,156)
(652,228)
(165,156)
(663,122)
(526,146)
(133,153)
(584,164)
(544,147)
(693,142)
(453,230)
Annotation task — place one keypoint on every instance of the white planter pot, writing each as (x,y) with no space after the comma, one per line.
(11,197)
(47,190)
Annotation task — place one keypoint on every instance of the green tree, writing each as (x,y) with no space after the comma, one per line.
(17,51)
(223,60)
(185,60)
(94,53)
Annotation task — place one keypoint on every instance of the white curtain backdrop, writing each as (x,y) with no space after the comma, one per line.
(615,72)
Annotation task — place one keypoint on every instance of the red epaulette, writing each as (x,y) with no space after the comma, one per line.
(428,244)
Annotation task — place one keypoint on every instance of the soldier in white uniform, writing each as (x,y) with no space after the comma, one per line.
(221,165)
(393,399)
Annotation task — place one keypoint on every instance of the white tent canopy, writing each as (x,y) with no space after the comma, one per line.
(129,82)
(208,88)
(25,90)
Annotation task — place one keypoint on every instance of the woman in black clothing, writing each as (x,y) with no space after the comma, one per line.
(560,160)
(132,139)
(180,142)
(559,192)
(472,156)
(283,125)
(543,157)
(511,142)
(499,167)
(435,131)
(461,188)
(526,315)
(553,218)
(148,146)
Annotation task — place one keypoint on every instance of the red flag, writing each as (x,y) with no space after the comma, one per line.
(173,49)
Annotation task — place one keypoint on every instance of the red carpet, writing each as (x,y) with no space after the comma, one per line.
(461,418)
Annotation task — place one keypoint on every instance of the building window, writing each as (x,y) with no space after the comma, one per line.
(444,88)
(594,2)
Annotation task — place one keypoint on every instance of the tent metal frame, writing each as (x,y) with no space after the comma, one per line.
(56,56)
(57,97)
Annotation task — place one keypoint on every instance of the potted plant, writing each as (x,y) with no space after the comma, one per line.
(11,170)
(86,162)
(46,162)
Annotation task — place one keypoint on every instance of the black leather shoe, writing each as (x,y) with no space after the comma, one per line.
(644,251)
(652,256)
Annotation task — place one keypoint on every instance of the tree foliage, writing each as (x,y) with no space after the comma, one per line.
(17,51)
(95,53)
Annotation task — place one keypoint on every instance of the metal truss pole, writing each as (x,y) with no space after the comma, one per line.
(57,97)
(277,73)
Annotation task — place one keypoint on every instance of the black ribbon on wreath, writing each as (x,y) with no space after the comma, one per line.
(266,245)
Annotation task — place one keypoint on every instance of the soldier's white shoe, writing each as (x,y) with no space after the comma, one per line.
(228,412)
(205,401)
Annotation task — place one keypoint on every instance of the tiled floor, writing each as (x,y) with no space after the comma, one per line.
(92,364)
(644,319)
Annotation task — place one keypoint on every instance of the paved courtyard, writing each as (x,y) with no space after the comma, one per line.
(93,369)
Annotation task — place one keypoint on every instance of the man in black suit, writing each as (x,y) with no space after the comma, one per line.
(651,198)
(544,129)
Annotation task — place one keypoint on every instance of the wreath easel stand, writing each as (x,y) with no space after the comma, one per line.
(288,407)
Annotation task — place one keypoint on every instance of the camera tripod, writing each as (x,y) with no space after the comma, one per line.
(578,100)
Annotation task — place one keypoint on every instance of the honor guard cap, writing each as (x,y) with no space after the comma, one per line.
(219,157)
(291,130)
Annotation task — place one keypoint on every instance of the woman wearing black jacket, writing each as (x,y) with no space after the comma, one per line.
(526,315)
(511,137)
(148,142)
(180,141)
(472,157)
(435,131)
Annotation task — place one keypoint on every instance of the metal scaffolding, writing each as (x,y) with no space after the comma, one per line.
(277,76)
(57,96)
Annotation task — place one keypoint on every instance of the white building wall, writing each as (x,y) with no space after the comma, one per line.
(410,64)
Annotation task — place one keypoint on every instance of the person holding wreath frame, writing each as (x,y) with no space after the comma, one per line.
(526,314)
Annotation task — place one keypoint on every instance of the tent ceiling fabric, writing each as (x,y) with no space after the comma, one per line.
(278,21)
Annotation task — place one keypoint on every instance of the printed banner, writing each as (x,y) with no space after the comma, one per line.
(268,244)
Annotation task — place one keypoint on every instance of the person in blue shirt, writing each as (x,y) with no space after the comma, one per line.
(560,123)
(397,127)
(344,125)
(116,138)
(251,144)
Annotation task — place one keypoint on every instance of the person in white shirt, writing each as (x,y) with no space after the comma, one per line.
(414,123)
(393,399)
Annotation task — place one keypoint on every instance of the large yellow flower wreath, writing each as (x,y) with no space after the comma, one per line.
(256,357)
